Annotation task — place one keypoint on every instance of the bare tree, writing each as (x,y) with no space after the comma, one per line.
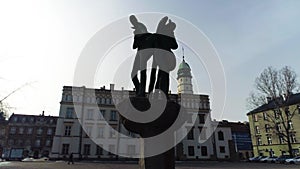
(4,107)
(277,87)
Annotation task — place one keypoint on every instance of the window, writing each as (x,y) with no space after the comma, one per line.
(202,133)
(48,143)
(257,130)
(267,128)
(101,115)
(190,135)
(102,101)
(255,117)
(220,135)
(201,118)
(278,127)
(23,119)
(86,149)
(99,150)
(291,127)
(113,115)
(276,114)
(67,130)
(98,100)
(49,131)
(39,131)
(88,100)
(281,140)
(293,138)
(191,150)
(222,149)
(69,112)
(203,150)
(69,98)
(29,131)
(31,119)
(259,142)
(20,142)
(13,130)
(2,132)
(131,134)
(88,131)
(21,130)
(37,143)
(27,142)
(112,133)
(90,114)
(269,139)
(265,116)
(108,101)
(100,132)
(65,149)
(131,149)
(111,149)
(15,119)
(10,142)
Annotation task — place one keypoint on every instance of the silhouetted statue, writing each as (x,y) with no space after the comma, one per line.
(159,45)
(143,42)
(163,57)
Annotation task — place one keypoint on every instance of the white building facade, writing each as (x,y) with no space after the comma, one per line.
(89,126)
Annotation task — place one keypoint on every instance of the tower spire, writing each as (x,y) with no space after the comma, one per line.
(182,53)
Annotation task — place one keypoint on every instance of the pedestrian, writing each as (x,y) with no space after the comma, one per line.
(71,160)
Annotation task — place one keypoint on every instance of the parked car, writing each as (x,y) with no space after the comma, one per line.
(271,159)
(35,160)
(268,159)
(295,160)
(281,159)
(256,159)
(263,160)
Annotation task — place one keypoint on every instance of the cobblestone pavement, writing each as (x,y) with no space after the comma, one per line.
(115,165)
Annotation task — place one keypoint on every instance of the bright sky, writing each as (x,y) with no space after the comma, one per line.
(40,42)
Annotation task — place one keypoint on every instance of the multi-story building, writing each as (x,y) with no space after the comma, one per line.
(241,139)
(268,124)
(29,135)
(89,124)
(3,134)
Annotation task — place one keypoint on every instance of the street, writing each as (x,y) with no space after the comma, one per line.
(113,165)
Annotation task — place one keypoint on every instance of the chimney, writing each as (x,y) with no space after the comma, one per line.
(43,113)
(112,87)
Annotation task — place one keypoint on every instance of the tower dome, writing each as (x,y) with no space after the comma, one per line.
(184,70)
(184,78)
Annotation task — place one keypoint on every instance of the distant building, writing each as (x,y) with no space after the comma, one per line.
(241,139)
(222,141)
(88,114)
(268,124)
(3,134)
(29,135)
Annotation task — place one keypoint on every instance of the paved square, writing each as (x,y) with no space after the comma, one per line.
(116,165)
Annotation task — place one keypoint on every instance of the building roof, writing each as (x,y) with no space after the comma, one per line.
(293,99)
(184,70)
(235,126)
(184,65)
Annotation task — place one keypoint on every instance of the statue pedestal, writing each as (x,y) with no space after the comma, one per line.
(165,160)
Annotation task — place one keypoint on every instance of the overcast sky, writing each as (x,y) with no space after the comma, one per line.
(40,42)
